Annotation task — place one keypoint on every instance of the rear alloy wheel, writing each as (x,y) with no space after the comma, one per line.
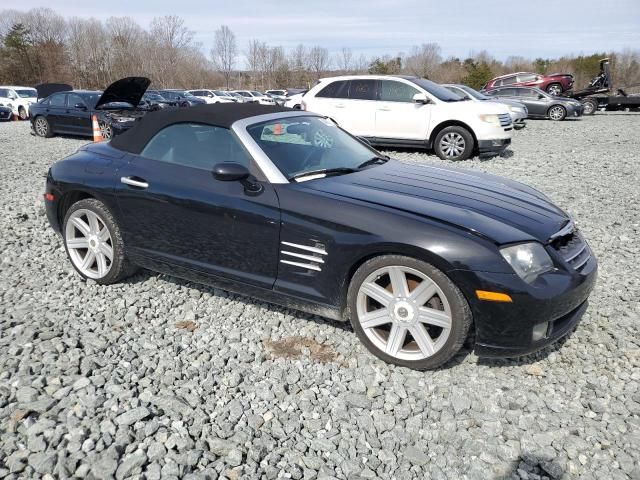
(554,89)
(557,113)
(590,106)
(106,131)
(93,242)
(407,312)
(42,127)
(22,113)
(454,143)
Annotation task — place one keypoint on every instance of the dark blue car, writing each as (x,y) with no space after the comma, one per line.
(287,207)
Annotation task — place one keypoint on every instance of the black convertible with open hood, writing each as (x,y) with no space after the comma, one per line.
(63,110)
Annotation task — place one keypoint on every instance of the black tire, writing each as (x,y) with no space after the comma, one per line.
(590,106)
(22,113)
(554,89)
(557,113)
(42,127)
(120,267)
(453,133)
(461,317)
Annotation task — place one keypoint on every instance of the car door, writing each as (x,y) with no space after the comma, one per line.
(331,101)
(531,98)
(79,115)
(174,212)
(397,116)
(358,111)
(56,115)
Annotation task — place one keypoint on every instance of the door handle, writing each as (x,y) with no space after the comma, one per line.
(340,105)
(384,109)
(134,183)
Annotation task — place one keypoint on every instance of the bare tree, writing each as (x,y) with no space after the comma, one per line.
(254,55)
(224,52)
(318,60)
(424,59)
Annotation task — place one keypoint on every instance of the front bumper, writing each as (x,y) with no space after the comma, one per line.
(493,146)
(506,329)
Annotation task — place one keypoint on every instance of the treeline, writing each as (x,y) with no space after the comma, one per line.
(42,46)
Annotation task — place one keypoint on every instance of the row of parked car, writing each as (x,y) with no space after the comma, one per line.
(454,120)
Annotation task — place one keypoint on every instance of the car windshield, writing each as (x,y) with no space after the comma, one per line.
(436,90)
(27,92)
(187,94)
(310,145)
(474,93)
(256,94)
(221,93)
(244,94)
(91,99)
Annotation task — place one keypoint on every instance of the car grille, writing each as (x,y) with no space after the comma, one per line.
(573,248)
(505,121)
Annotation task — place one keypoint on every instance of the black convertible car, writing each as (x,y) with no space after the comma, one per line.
(70,112)
(287,207)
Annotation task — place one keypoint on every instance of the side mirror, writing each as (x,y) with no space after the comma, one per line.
(420,98)
(230,172)
(80,106)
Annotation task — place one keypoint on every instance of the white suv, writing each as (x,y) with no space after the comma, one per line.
(18,99)
(412,112)
(251,96)
(211,96)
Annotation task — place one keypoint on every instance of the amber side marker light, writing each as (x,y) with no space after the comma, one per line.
(493,296)
(49,197)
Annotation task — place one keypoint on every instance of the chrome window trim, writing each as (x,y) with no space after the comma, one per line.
(264,163)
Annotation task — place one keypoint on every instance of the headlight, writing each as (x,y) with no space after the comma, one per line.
(516,109)
(493,119)
(528,260)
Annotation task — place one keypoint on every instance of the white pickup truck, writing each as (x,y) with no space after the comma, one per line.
(406,111)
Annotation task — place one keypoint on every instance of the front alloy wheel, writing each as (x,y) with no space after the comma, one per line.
(407,312)
(454,143)
(93,242)
(557,113)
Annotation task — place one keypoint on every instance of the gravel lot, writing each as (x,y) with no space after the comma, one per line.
(161,378)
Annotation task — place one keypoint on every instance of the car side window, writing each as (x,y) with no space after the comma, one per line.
(509,80)
(58,100)
(196,145)
(527,77)
(527,92)
(392,91)
(339,89)
(73,100)
(4,93)
(362,89)
(506,92)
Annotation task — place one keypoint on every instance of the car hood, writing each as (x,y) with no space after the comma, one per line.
(129,90)
(502,210)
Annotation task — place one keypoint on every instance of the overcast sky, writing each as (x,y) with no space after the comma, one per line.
(502,27)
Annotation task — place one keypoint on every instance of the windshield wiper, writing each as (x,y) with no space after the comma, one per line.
(323,171)
(373,161)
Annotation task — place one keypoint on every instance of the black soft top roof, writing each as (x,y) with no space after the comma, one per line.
(216,114)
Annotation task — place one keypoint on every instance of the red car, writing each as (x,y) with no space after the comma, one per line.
(554,84)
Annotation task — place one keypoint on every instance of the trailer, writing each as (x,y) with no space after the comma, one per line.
(595,97)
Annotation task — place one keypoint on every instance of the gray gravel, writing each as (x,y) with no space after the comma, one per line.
(160,378)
